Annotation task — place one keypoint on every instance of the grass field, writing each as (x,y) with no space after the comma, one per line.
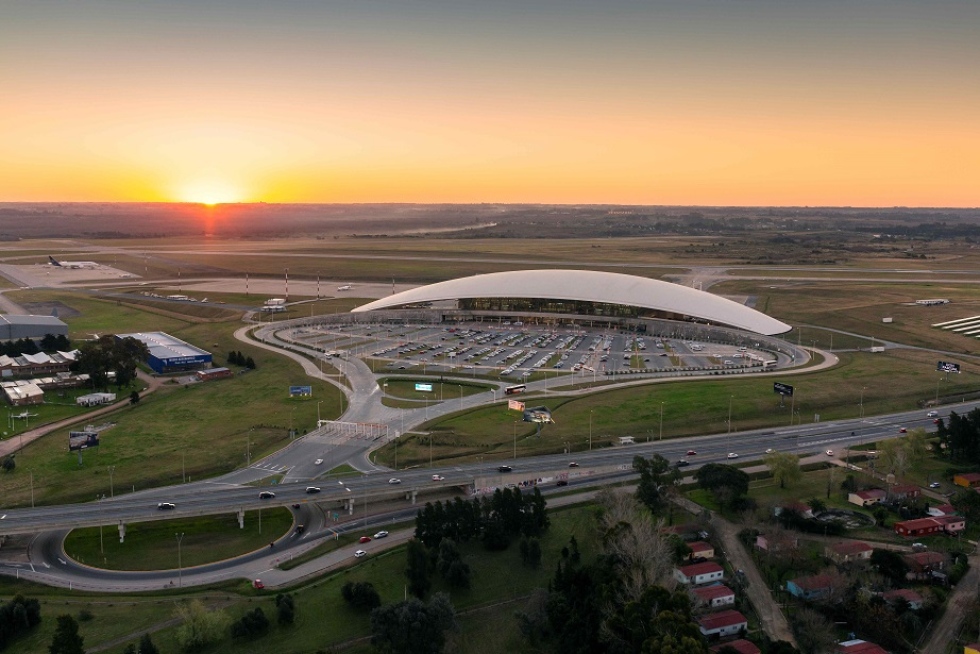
(152,546)
(322,618)
(405,389)
(690,407)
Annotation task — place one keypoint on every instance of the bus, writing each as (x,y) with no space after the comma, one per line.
(513,390)
(771,363)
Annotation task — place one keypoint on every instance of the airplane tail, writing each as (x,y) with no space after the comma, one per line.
(54,262)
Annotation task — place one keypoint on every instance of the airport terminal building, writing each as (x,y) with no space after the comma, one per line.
(169,354)
(600,298)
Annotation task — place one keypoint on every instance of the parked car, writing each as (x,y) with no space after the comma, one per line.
(312,489)
(364,539)
(902,430)
(359,553)
(166,506)
(258,584)
(381,534)
(300,529)
(266,495)
(935,484)
(830,453)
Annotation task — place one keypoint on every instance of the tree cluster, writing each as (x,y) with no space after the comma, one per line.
(959,437)
(66,639)
(360,595)
(145,646)
(656,477)
(239,359)
(728,484)
(251,625)
(285,609)
(200,627)
(413,626)
(17,617)
(494,520)
(50,343)
(110,354)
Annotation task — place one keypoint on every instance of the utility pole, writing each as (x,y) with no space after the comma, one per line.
(661,421)
(180,567)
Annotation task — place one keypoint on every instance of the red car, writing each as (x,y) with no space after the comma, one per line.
(364,539)
(903,430)
(691,452)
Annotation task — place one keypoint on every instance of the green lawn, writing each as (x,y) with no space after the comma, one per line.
(153,546)
(322,618)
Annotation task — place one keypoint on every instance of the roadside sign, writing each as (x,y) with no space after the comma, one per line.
(782,389)
(80,440)
(424,388)
(515,405)
(300,391)
(946,366)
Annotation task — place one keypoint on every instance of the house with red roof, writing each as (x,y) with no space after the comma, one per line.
(941,510)
(847,551)
(952,524)
(722,623)
(701,550)
(713,596)
(810,588)
(918,527)
(741,646)
(699,573)
(859,647)
(922,564)
(967,479)
(905,492)
(867,497)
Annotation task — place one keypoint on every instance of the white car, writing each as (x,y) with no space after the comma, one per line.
(935,484)
(318,462)
(830,453)
(394,480)
(381,534)
(359,553)
(932,414)
(732,455)
(770,451)
(437,478)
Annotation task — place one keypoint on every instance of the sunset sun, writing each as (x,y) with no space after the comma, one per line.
(210,193)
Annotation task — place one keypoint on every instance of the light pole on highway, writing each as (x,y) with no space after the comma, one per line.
(111,470)
(248,449)
(319,402)
(515,440)
(180,567)
(862,400)
(730,397)
(32,489)
(590,430)
(99,500)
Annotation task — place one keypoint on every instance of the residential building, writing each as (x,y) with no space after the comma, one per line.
(867,497)
(859,647)
(922,564)
(848,551)
(905,492)
(967,479)
(713,596)
(810,588)
(701,549)
(950,524)
(699,573)
(741,646)
(723,623)
(941,510)
(972,648)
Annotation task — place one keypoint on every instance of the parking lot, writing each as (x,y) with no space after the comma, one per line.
(515,352)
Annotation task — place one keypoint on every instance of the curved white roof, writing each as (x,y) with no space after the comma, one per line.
(590,286)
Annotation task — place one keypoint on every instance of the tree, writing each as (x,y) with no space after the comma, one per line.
(110,354)
(134,397)
(890,565)
(17,617)
(656,474)
(413,626)
(727,483)
(814,632)
(893,456)
(417,569)
(251,625)
(147,646)
(286,608)
(531,552)
(967,502)
(66,639)
(785,467)
(200,626)
(250,363)
(9,463)
(359,595)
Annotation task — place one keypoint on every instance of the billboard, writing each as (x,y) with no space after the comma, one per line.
(425,388)
(782,389)
(296,391)
(538,414)
(515,405)
(80,440)
(946,366)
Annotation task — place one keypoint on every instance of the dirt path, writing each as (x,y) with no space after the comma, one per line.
(774,623)
(948,626)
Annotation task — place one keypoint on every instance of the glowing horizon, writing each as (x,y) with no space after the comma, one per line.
(679,102)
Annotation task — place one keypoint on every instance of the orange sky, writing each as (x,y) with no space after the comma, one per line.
(690,102)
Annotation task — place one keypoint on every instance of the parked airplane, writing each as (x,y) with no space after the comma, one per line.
(24,415)
(73,265)
(345,288)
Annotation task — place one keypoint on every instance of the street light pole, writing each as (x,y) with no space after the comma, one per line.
(515,440)
(180,567)
(101,548)
(111,470)
(730,413)
(590,430)
(862,401)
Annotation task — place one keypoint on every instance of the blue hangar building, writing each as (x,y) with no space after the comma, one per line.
(169,354)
